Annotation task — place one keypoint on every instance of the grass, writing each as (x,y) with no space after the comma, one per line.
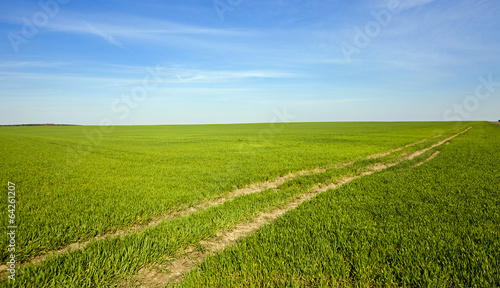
(107,262)
(435,225)
(74,183)
(341,238)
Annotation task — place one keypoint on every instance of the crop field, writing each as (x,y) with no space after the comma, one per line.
(402,204)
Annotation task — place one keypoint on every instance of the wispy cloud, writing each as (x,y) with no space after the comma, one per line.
(267,51)
(414,3)
(31,64)
(136,32)
(315,102)
(135,27)
(168,75)
(225,76)
(109,38)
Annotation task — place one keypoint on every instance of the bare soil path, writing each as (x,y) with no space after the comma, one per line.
(253,188)
(159,276)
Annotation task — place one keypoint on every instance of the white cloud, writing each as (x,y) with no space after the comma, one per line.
(134,27)
(414,3)
(30,64)
(212,76)
(109,38)
(115,76)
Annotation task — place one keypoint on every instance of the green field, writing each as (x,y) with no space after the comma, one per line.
(431,225)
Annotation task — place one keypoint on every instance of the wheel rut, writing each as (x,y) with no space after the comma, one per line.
(250,189)
(160,275)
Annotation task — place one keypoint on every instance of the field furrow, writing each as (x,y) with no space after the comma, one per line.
(163,247)
(253,188)
(159,276)
(411,225)
(433,225)
(144,174)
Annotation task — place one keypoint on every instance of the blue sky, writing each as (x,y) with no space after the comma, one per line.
(123,62)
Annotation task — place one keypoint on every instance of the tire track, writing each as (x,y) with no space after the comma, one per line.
(250,189)
(186,260)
